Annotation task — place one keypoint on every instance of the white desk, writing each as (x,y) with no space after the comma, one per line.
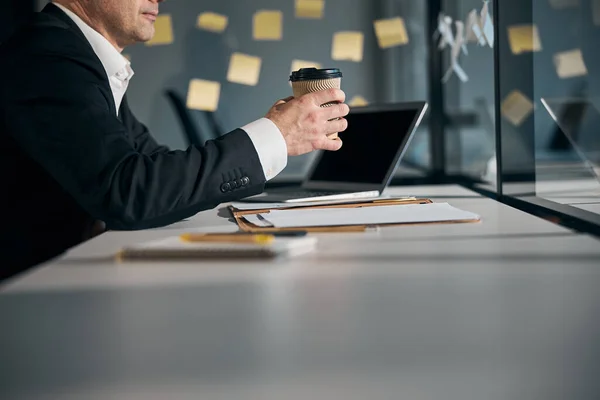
(507,308)
(579,193)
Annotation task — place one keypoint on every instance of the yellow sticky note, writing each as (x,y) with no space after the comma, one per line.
(244,69)
(391,32)
(596,12)
(164,31)
(348,46)
(312,9)
(524,38)
(358,101)
(213,22)
(203,95)
(516,107)
(268,25)
(560,4)
(570,64)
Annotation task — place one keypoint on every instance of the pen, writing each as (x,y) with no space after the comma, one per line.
(228,237)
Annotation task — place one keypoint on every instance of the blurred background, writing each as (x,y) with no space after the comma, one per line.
(513,95)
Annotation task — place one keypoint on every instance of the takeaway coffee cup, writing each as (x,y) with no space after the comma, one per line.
(308,80)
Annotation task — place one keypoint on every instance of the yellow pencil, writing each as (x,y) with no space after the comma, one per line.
(227,237)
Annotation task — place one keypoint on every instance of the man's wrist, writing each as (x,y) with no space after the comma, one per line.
(269,144)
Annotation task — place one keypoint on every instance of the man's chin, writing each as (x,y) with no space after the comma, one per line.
(145,35)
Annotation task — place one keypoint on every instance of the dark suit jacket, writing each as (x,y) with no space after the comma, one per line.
(67,161)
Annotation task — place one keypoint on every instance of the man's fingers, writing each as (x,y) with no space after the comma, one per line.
(327,96)
(337,125)
(336,111)
(329,144)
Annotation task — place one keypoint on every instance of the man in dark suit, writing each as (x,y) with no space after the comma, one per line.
(74,157)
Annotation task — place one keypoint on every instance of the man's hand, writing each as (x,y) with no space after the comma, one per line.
(305,125)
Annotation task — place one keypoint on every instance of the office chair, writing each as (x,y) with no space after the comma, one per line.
(194,135)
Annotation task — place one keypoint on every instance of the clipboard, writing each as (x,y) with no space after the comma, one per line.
(246,226)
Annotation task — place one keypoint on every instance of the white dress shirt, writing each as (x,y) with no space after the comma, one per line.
(264,134)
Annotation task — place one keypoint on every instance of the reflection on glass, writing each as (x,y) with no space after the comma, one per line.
(573,175)
(470,132)
(579,121)
(551,143)
(567,151)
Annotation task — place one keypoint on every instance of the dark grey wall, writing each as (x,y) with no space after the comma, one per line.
(205,55)
(382,76)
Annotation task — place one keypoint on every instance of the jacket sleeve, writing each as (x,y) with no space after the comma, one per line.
(61,118)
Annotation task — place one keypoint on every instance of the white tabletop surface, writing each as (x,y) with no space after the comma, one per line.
(504,309)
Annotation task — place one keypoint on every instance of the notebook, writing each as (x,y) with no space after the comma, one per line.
(175,248)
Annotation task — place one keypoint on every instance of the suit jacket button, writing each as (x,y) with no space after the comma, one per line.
(245,181)
(237,183)
(226,187)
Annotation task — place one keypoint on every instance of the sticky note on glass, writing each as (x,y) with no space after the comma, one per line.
(312,9)
(203,95)
(596,12)
(560,4)
(244,69)
(358,101)
(524,38)
(213,22)
(163,27)
(268,25)
(348,46)
(391,32)
(570,64)
(516,107)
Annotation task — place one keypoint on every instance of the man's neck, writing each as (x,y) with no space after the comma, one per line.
(75,7)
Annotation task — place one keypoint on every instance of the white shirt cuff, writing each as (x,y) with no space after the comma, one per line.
(269,144)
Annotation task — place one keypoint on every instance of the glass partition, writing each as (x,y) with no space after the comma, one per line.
(548,90)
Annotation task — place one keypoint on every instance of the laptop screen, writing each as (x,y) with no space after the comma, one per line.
(373,145)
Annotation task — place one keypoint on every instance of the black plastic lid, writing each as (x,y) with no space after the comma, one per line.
(307,74)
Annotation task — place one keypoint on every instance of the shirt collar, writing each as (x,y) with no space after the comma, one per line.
(112,60)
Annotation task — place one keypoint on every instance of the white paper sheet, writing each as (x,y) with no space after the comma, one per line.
(396,214)
(271,206)
(473,32)
(457,46)
(487,25)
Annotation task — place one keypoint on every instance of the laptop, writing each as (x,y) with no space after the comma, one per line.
(374,142)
